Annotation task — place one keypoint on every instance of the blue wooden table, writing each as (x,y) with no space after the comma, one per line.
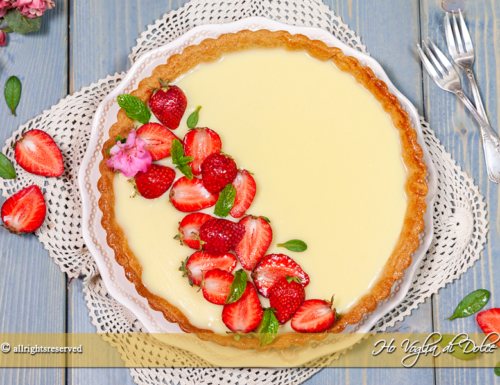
(81,41)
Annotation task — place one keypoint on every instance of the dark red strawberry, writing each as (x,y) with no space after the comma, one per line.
(200,263)
(215,285)
(154,182)
(272,268)
(220,235)
(168,104)
(489,322)
(255,242)
(190,195)
(24,212)
(286,296)
(189,229)
(217,171)
(314,316)
(245,192)
(158,140)
(201,143)
(37,153)
(244,315)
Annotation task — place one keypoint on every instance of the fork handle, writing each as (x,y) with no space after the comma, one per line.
(475,93)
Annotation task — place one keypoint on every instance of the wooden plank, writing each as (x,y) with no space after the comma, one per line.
(32,287)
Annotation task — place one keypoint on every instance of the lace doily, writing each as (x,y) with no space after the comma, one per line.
(460,224)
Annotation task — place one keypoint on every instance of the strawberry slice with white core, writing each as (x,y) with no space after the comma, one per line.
(189,229)
(24,212)
(489,321)
(245,192)
(216,285)
(314,316)
(158,140)
(37,153)
(255,242)
(200,143)
(244,315)
(272,268)
(190,195)
(199,263)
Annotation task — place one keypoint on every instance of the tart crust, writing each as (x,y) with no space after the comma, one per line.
(416,187)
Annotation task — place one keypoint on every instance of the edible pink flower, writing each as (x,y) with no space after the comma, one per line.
(4,7)
(33,8)
(130,157)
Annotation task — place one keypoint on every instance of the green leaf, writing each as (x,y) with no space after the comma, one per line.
(226,201)
(269,328)
(21,24)
(13,93)
(6,168)
(192,121)
(497,370)
(135,108)
(458,352)
(266,219)
(237,287)
(471,304)
(181,162)
(294,245)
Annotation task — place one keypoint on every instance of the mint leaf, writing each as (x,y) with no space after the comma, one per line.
(181,162)
(192,121)
(6,168)
(458,352)
(269,328)
(471,304)
(135,108)
(294,245)
(497,370)
(21,24)
(226,201)
(237,287)
(12,93)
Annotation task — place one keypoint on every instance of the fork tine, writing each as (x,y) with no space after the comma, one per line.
(457,35)
(428,65)
(433,58)
(442,58)
(450,40)
(465,33)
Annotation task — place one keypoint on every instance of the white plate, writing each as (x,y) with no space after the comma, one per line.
(95,236)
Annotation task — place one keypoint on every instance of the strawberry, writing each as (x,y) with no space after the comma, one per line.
(37,153)
(217,171)
(168,104)
(255,242)
(154,182)
(314,316)
(158,140)
(24,212)
(489,322)
(200,143)
(286,296)
(245,192)
(272,268)
(188,195)
(215,285)
(189,229)
(200,263)
(245,314)
(220,235)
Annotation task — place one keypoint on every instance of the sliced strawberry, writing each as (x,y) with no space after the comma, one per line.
(189,229)
(314,316)
(272,268)
(190,195)
(200,143)
(244,315)
(215,285)
(24,212)
(245,192)
(158,140)
(201,262)
(37,153)
(489,322)
(255,242)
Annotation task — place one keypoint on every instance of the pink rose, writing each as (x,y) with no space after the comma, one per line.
(3,37)
(129,157)
(4,7)
(31,8)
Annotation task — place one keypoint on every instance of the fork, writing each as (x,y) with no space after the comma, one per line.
(445,76)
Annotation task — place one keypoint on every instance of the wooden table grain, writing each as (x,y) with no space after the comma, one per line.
(82,40)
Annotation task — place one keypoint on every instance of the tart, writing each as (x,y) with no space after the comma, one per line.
(336,163)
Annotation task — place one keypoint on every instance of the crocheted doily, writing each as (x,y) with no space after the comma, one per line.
(460,224)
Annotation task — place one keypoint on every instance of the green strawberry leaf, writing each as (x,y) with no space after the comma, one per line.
(266,219)
(6,168)
(12,93)
(237,287)
(471,304)
(181,162)
(135,108)
(226,201)
(294,245)
(458,352)
(269,328)
(192,121)
(118,139)
(21,24)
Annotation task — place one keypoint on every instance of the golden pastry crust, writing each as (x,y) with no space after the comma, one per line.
(416,186)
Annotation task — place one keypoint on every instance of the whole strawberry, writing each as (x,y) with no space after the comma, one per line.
(217,171)
(286,297)
(154,182)
(220,235)
(168,104)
